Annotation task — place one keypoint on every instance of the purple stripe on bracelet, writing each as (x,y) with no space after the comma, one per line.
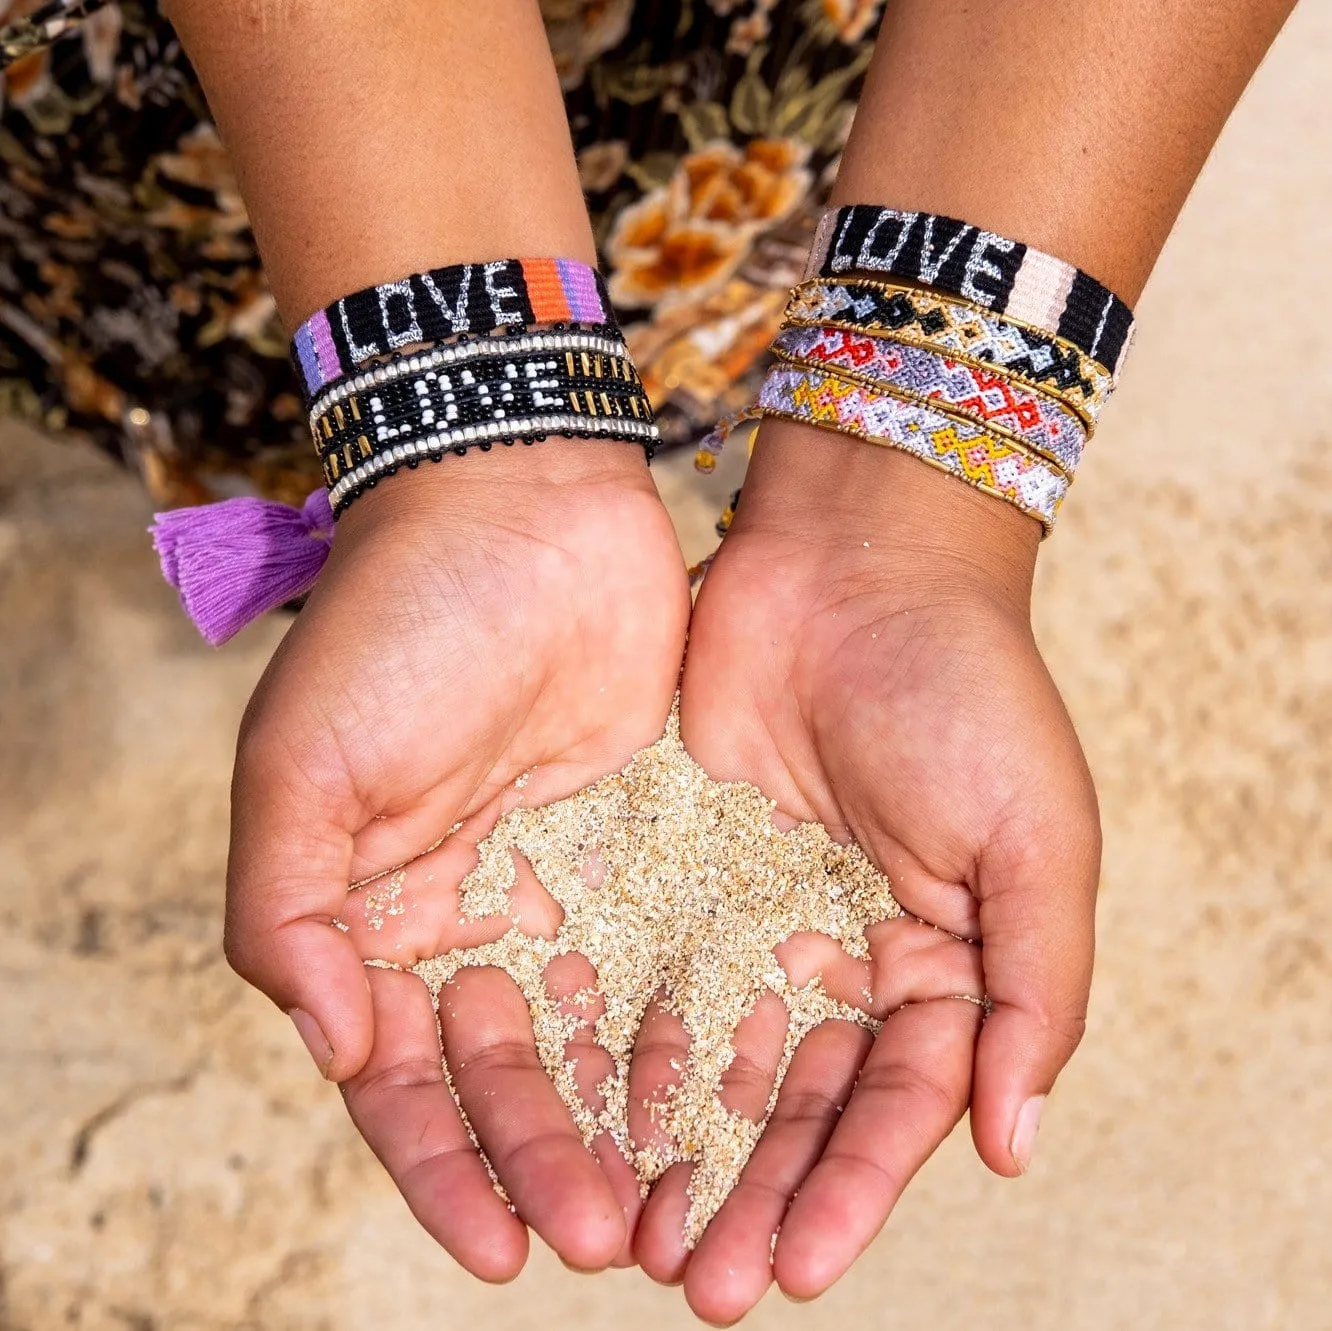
(305,353)
(580,289)
(330,365)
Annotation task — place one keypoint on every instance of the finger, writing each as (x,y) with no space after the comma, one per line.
(1038,922)
(418,910)
(571,981)
(746,1089)
(661,1050)
(942,902)
(401,1105)
(731,1269)
(523,1126)
(659,1242)
(291,847)
(909,962)
(911,1092)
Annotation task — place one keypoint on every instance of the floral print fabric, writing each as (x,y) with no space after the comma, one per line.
(133,307)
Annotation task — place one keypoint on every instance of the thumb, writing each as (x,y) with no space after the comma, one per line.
(1037,920)
(291,852)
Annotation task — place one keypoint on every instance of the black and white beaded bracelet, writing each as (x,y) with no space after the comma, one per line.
(577,344)
(435,447)
(475,394)
(483,392)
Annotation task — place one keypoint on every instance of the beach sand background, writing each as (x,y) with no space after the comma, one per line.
(169,1159)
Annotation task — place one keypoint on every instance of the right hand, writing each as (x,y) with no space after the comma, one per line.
(493,615)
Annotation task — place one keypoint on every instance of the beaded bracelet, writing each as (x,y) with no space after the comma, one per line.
(954,328)
(527,430)
(1006,409)
(962,449)
(986,269)
(352,448)
(481,390)
(422,406)
(466,350)
(427,308)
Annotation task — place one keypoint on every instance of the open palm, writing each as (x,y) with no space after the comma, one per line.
(866,675)
(492,616)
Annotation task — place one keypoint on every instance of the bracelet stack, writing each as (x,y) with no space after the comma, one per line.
(436,363)
(997,373)
(462,357)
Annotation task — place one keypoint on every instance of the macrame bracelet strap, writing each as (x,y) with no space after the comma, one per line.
(978,394)
(962,449)
(988,270)
(427,308)
(1047,364)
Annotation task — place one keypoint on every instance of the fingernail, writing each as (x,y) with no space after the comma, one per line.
(315,1040)
(1024,1132)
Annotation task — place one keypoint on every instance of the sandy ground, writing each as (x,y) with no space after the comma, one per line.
(168,1158)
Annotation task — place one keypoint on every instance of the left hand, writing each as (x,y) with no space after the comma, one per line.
(862,651)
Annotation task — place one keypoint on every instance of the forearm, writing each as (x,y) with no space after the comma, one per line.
(372,141)
(1077,129)
(375,140)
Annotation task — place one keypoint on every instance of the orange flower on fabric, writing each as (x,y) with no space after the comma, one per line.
(201,162)
(705,347)
(581,30)
(851,18)
(686,238)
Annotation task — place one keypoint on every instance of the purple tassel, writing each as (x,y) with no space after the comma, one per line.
(233,561)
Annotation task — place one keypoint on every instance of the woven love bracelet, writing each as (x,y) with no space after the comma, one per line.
(500,399)
(495,378)
(426,308)
(985,269)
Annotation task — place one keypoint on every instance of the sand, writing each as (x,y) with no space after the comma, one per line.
(170,1159)
(675,885)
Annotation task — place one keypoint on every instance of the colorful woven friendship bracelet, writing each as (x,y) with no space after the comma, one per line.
(954,328)
(427,308)
(963,450)
(987,269)
(973,393)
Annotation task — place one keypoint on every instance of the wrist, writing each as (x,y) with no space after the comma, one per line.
(831,491)
(509,482)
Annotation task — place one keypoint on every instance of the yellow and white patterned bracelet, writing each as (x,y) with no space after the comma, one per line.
(969,452)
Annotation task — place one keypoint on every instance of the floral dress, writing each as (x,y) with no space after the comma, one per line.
(133,308)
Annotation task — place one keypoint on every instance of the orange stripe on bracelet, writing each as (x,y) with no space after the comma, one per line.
(545,291)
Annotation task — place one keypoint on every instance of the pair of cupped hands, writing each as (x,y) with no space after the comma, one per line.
(861,650)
